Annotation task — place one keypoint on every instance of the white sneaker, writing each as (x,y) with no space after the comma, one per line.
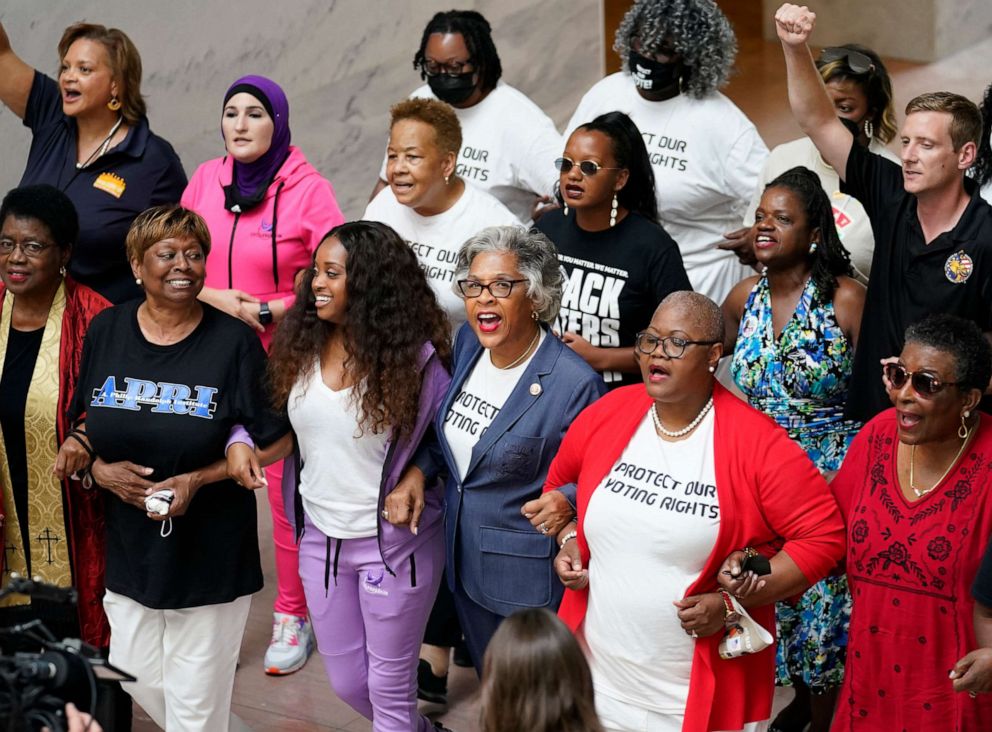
(291,645)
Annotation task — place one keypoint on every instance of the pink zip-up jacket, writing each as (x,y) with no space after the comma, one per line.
(260,251)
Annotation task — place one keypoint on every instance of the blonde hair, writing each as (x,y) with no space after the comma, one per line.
(165,222)
(966,119)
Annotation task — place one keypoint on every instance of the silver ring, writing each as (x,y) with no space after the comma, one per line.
(543,527)
(385,514)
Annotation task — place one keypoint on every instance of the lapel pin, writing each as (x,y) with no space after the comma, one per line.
(535,389)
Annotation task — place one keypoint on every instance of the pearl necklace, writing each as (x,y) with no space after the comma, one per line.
(912,459)
(685,430)
(522,356)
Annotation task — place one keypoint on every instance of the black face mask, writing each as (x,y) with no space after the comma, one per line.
(651,75)
(452,89)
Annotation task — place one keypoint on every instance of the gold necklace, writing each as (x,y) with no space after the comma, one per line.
(523,355)
(912,459)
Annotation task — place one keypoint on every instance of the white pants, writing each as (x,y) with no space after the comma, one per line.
(618,716)
(184,660)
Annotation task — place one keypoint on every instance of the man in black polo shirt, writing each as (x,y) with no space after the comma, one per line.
(933,232)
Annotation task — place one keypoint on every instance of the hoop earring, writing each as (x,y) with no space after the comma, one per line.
(62,271)
(964,427)
(114,104)
(534,316)
(613,212)
(869,129)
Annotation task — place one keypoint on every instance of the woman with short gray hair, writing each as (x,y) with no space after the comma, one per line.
(515,389)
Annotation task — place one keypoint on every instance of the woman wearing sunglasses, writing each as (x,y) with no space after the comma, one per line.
(672,475)
(620,262)
(914,491)
(792,331)
(858,84)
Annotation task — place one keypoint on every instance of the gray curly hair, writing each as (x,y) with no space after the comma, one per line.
(537,260)
(699,31)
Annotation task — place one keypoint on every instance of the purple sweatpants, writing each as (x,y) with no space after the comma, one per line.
(369,623)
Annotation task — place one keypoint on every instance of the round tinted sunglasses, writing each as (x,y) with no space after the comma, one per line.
(924,384)
(587,167)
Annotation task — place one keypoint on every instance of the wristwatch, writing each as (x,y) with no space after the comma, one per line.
(264,314)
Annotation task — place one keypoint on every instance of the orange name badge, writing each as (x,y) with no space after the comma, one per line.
(110,183)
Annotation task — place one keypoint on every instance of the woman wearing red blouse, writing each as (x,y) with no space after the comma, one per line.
(673,475)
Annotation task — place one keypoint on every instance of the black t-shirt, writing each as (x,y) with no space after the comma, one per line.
(616,278)
(171,408)
(982,589)
(911,279)
(18,368)
(140,172)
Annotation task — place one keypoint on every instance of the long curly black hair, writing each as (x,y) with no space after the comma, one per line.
(478,35)
(629,152)
(391,312)
(982,169)
(831,259)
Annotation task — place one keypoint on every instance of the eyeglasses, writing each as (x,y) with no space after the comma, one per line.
(672,346)
(31,249)
(497,288)
(924,384)
(856,61)
(587,167)
(455,68)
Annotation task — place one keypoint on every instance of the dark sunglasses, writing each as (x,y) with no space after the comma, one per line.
(856,61)
(587,167)
(924,384)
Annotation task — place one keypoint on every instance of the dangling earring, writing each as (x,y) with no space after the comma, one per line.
(114,104)
(613,211)
(963,429)
(869,129)
(446,179)
(812,247)
(566,207)
(137,281)
(534,316)
(62,271)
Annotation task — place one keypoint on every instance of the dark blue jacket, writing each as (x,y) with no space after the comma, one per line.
(501,561)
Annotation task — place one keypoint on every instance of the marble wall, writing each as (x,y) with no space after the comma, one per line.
(341,62)
(916,30)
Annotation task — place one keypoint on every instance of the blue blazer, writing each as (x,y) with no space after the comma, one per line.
(501,561)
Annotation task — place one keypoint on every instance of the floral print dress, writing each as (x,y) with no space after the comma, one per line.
(801,379)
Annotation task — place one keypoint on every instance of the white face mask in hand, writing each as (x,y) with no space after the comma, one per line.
(159,503)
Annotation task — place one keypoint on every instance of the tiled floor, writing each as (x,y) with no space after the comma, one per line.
(304,701)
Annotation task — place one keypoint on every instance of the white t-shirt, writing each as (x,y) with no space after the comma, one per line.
(853,226)
(437,239)
(650,525)
(987,191)
(706,157)
(341,473)
(477,403)
(509,148)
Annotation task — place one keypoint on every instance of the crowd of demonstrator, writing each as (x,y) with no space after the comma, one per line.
(498,396)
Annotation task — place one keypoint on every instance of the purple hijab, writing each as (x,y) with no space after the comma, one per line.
(253,178)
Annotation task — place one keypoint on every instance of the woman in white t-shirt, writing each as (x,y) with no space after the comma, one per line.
(508,142)
(360,365)
(705,153)
(669,473)
(859,86)
(427,202)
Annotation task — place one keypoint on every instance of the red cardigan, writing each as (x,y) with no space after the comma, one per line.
(83,508)
(768,490)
